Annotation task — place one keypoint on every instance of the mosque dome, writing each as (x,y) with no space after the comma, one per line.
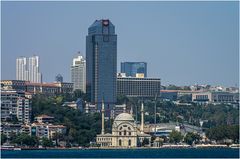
(124,117)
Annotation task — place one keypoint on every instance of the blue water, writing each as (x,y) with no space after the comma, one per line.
(126,153)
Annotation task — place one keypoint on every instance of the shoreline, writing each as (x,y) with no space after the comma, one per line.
(237,146)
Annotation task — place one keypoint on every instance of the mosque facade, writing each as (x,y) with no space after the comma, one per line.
(125,132)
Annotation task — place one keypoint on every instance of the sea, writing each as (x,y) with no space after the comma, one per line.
(125,153)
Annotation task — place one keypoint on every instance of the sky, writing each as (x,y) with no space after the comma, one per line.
(183,43)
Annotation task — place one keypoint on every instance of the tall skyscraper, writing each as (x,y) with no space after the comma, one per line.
(28,69)
(101,57)
(133,68)
(33,70)
(78,73)
(21,68)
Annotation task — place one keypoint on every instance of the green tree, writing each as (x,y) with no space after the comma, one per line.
(46,142)
(191,137)
(25,140)
(3,138)
(175,137)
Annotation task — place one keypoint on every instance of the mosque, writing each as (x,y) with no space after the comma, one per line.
(124,132)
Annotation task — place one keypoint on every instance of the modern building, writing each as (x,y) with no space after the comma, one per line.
(21,68)
(217,97)
(33,70)
(28,69)
(78,73)
(138,87)
(15,104)
(18,85)
(59,78)
(131,69)
(101,58)
(124,132)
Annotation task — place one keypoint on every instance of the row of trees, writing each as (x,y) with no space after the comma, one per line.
(189,138)
(26,140)
(221,133)
(213,115)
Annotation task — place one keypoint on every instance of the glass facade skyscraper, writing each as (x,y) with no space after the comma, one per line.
(101,60)
(132,68)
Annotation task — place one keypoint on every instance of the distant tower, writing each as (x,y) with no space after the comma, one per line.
(59,78)
(28,69)
(33,69)
(142,119)
(21,69)
(103,111)
(78,73)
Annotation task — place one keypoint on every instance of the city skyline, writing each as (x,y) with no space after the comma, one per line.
(201,49)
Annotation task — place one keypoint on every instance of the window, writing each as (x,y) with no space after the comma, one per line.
(120,142)
(125,132)
(129,133)
(120,133)
(129,142)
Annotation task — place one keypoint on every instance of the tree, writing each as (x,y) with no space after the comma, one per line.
(175,137)
(145,142)
(191,137)
(3,138)
(46,142)
(26,140)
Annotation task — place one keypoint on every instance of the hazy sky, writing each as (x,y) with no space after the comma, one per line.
(183,43)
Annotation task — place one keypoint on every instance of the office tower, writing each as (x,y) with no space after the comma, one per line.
(59,78)
(33,70)
(131,69)
(101,57)
(21,68)
(78,73)
(27,69)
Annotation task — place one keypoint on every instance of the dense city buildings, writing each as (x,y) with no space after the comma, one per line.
(78,73)
(131,69)
(101,58)
(138,87)
(28,69)
(14,104)
(59,78)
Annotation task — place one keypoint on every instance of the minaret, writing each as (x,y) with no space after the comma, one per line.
(131,111)
(142,119)
(103,117)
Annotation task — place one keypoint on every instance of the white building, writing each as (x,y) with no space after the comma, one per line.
(125,132)
(14,103)
(78,73)
(21,69)
(28,69)
(33,68)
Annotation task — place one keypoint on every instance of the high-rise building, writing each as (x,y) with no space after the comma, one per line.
(33,69)
(78,73)
(59,78)
(131,69)
(21,68)
(101,57)
(27,69)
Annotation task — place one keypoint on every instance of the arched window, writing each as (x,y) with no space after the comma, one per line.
(120,142)
(129,128)
(125,132)
(129,142)
(129,133)
(120,133)
(120,128)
